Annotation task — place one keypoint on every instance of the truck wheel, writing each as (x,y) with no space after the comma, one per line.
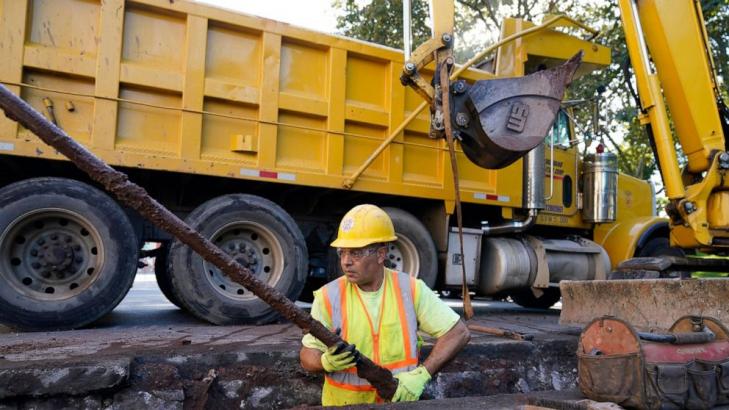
(260,236)
(414,251)
(526,298)
(659,246)
(162,274)
(68,254)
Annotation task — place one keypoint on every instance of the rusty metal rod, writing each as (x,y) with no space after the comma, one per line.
(495,331)
(137,198)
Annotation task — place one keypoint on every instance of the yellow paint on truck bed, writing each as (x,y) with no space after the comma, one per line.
(179,86)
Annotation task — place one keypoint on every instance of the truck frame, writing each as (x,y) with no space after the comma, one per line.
(262,135)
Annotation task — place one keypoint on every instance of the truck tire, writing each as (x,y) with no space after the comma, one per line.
(68,254)
(414,251)
(259,235)
(526,298)
(162,274)
(661,246)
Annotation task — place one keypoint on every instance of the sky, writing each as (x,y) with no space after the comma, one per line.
(312,14)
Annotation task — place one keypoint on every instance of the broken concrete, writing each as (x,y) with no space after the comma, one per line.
(48,378)
(250,367)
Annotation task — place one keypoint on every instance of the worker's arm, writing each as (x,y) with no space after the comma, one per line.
(411,384)
(311,359)
(312,348)
(317,357)
(446,347)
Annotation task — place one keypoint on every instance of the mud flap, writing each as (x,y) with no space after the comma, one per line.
(498,121)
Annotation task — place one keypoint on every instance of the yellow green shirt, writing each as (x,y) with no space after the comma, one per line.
(434,317)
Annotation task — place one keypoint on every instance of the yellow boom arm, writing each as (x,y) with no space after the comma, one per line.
(671,35)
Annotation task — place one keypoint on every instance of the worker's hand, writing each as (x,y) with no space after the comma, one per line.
(339,357)
(411,384)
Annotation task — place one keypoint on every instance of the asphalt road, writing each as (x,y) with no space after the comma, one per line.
(145,305)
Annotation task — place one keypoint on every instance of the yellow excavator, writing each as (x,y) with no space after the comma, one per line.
(669,51)
(674,71)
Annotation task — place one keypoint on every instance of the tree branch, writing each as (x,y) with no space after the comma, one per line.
(480,14)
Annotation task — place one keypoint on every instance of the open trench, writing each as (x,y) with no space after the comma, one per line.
(206,367)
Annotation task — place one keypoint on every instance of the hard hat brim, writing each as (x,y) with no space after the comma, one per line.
(360,243)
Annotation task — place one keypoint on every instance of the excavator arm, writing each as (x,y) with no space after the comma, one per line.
(671,58)
(498,121)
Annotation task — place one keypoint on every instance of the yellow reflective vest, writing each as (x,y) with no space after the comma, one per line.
(392,342)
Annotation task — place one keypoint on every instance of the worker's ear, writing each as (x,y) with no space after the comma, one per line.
(382,253)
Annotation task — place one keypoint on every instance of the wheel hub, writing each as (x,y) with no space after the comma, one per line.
(51,253)
(402,255)
(253,247)
(244,253)
(53,256)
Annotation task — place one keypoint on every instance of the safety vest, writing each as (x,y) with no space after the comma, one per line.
(391,343)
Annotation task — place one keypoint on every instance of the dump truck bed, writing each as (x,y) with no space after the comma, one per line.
(183,87)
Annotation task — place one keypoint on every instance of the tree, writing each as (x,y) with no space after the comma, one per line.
(478,22)
(716,14)
(380,21)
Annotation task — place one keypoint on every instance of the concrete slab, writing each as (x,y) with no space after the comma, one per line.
(647,304)
(257,367)
(46,378)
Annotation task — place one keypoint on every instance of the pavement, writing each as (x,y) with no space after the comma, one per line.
(149,354)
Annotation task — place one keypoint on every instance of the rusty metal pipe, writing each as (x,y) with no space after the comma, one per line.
(495,331)
(137,198)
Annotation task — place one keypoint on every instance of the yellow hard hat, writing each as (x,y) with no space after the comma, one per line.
(364,225)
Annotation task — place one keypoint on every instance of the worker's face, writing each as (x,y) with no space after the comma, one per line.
(363,266)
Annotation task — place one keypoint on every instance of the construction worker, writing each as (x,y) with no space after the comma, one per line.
(379,311)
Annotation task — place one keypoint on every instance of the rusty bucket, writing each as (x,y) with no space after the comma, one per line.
(498,121)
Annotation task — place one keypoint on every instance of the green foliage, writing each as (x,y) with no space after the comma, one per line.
(702,274)
(716,14)
(380,21)
(478,23)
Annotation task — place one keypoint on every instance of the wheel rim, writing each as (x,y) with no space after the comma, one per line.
(253,246)
(50,254)
(402,255)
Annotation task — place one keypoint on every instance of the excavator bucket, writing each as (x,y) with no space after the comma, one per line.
(501,120)
(647,304)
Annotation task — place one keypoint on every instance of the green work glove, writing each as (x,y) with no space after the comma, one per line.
(339,357)
(411,384)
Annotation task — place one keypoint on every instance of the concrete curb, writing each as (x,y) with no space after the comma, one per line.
(267,376)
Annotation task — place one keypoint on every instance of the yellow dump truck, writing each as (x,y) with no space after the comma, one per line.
(262,135)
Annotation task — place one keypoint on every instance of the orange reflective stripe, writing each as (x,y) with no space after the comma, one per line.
(414,289)
(401,363)
(343,306)
(403,321)
(348,386)
(375,336)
